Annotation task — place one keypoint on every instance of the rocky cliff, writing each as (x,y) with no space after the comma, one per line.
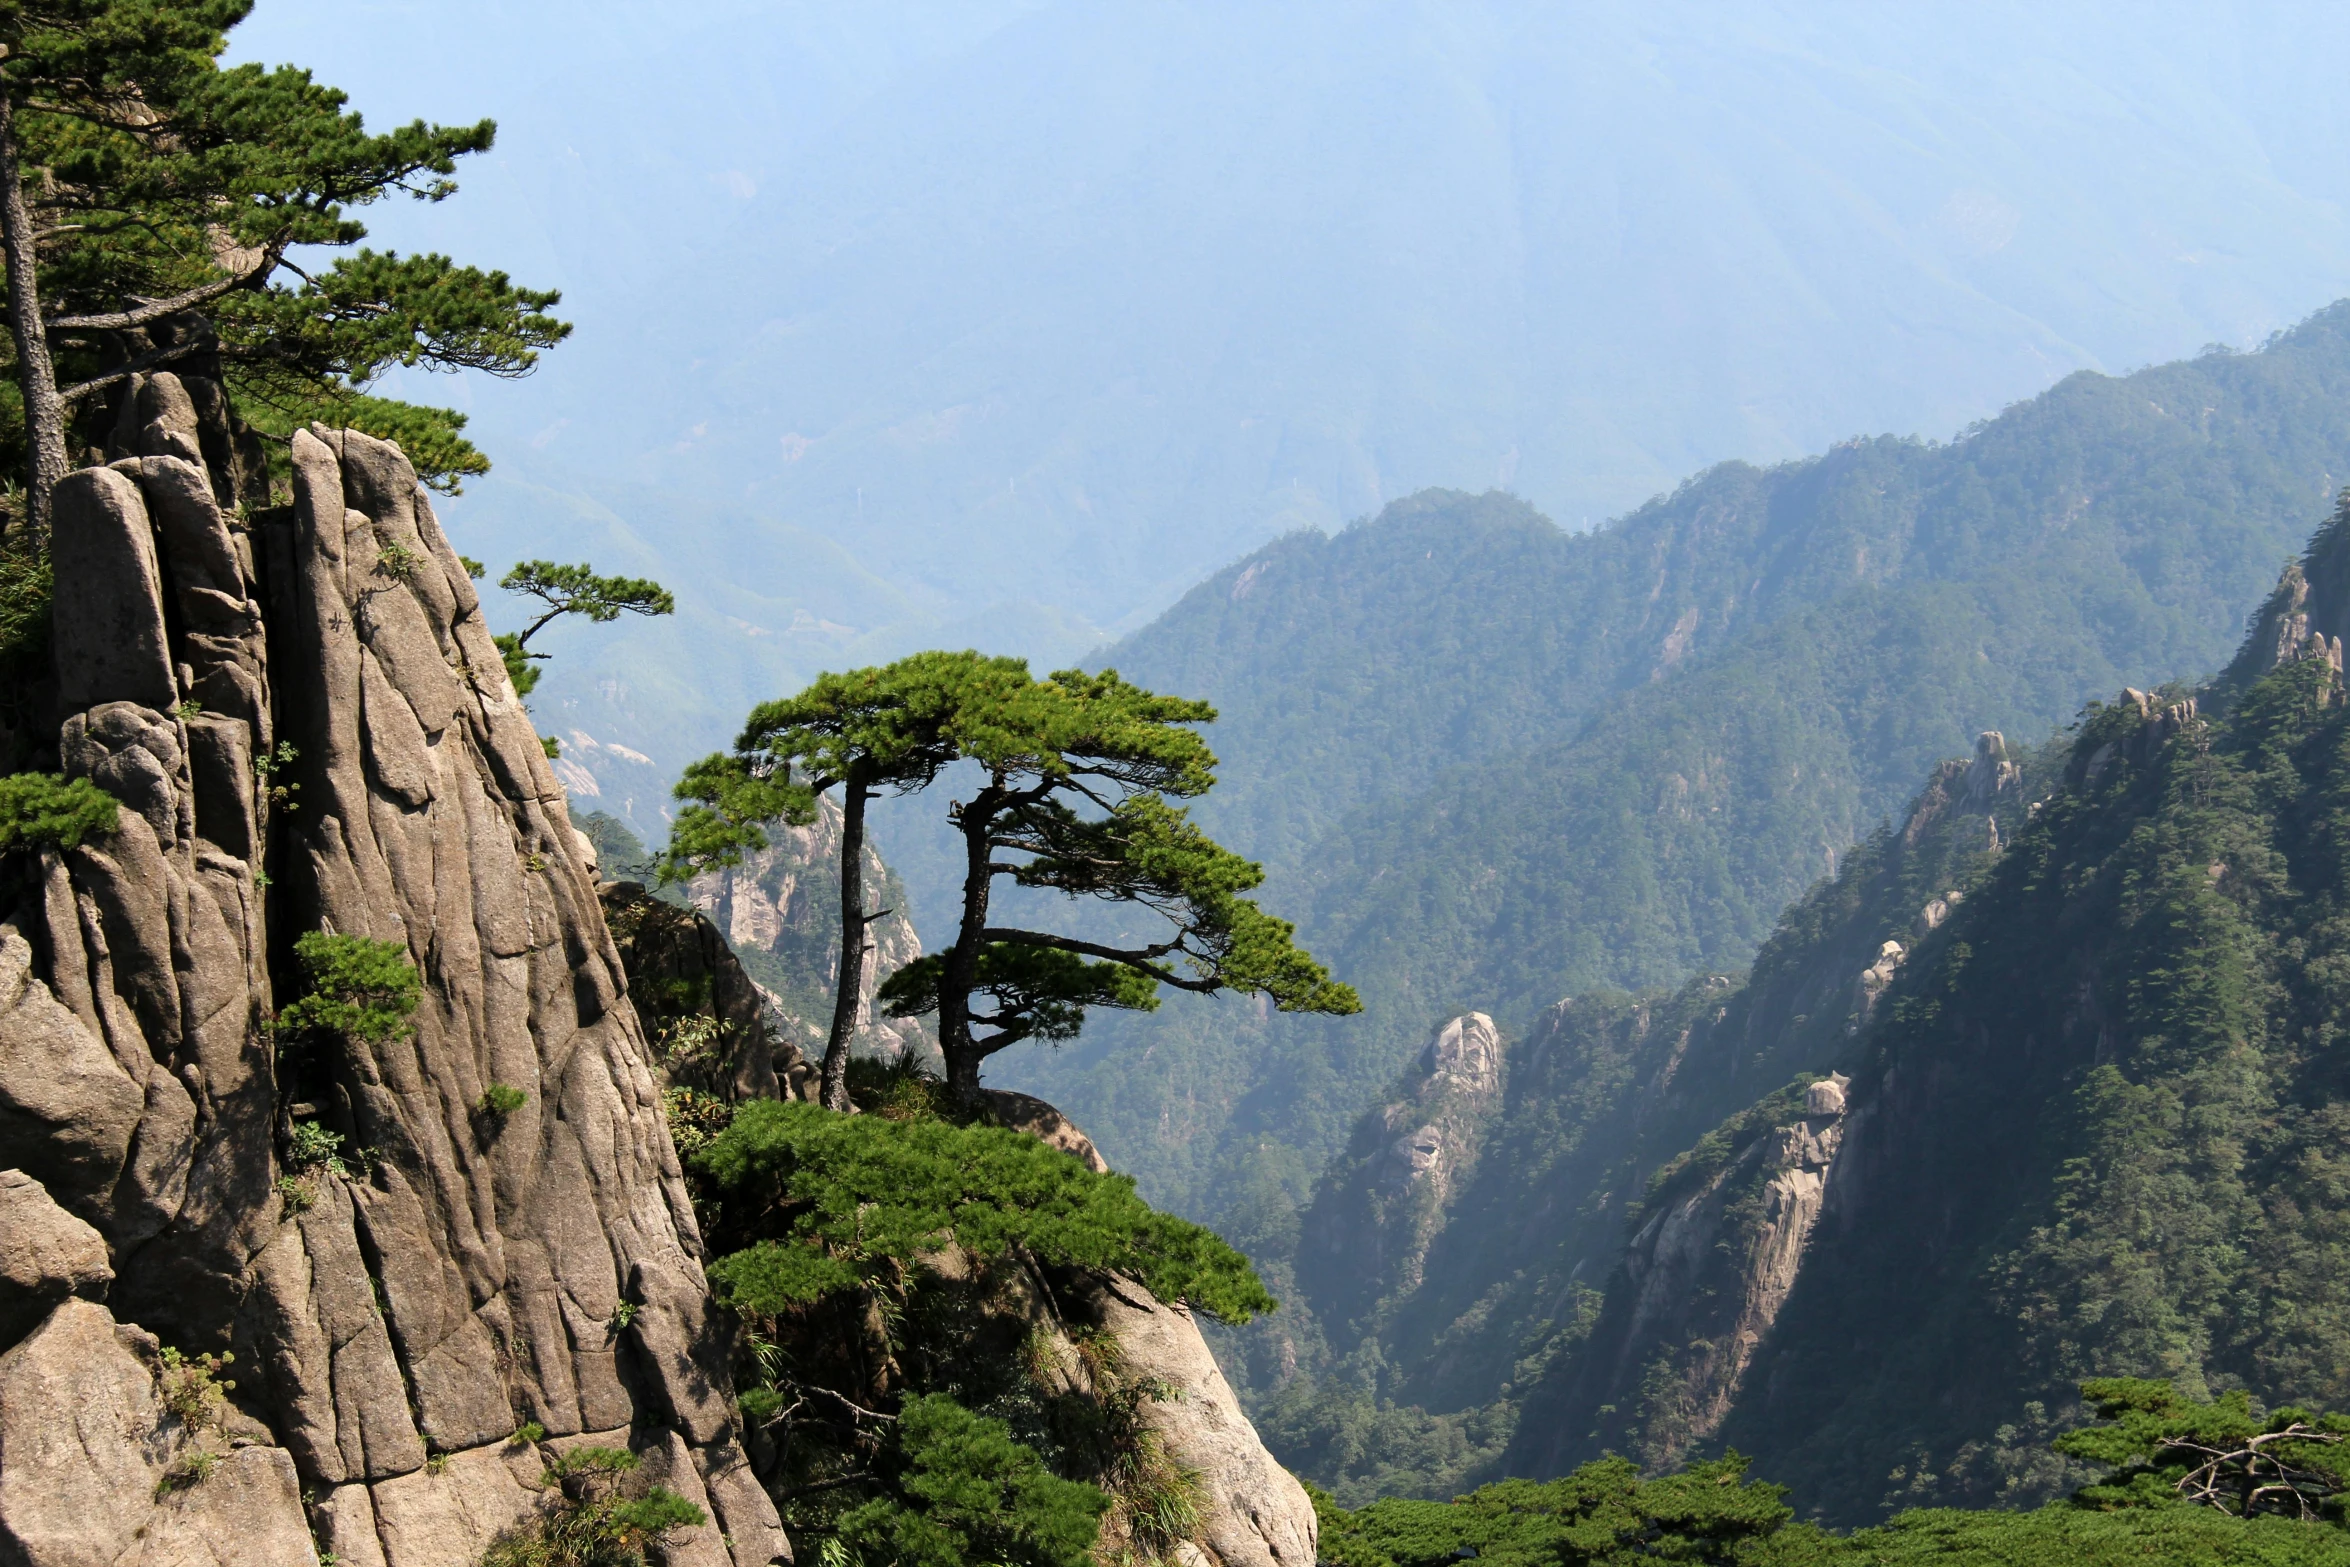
(1367,1240)
(308,729)
(292,1293)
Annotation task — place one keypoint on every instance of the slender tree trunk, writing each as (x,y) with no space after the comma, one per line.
(44,415)
(853,944)
(962,959)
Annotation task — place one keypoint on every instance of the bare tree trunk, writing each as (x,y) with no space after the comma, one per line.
(44,415)
(854,923)
(962,959)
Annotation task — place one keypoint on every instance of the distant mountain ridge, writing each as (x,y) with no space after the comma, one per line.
(1490,763)
(2045,1085)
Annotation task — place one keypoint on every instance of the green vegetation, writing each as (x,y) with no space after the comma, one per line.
(43,811)
(970,1496)
(501,1100)
(360,990)
(156,196)
(854,1202)
(25,589)
(2163,1448)
(311,1151)
(1602,1513)
(191,1389)
(1606,1514)
(1419,1369)
(585,1520)
(2128,1028)
(923,1342)
(570,590)
(1081,775)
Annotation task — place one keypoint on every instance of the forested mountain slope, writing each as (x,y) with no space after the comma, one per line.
(2042,1087)
(1494,763)
(2099,1128)
(1454,1259)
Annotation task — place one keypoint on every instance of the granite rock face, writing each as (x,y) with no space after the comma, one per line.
(94,1467)
(46,1255)
(309,729)
(1706,1277)
(1254,1513)
(1377,1215)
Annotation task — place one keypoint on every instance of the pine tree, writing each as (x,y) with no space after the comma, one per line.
(150,203)
(1082,774)
(570,590)
(871,729)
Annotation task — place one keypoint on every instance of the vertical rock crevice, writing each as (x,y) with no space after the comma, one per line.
(308,727)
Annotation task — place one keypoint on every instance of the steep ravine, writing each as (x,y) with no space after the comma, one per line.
(308,728)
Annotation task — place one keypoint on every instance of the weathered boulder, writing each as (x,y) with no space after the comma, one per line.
(67,1108)
(107,627)
(1044,1122)
(85,1449)
(46,1254)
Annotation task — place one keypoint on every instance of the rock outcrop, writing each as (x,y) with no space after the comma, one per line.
(96,1467)
(1704,1279)
(309,729)
(780,912)
(710,1023)
(1254,1513)
(1368,1235)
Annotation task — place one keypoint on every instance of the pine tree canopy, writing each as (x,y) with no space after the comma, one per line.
(847,1202)
(570,590)
(182,212)
(892,727)
(2167,1448)
(1082,772)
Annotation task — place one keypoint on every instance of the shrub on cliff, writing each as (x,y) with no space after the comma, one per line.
(968,1494)
(918,1318)
(360,989)
(849,1202)
(41,811)
(584,1520)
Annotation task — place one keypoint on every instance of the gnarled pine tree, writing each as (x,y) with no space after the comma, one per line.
(1082,774)
(892,728)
